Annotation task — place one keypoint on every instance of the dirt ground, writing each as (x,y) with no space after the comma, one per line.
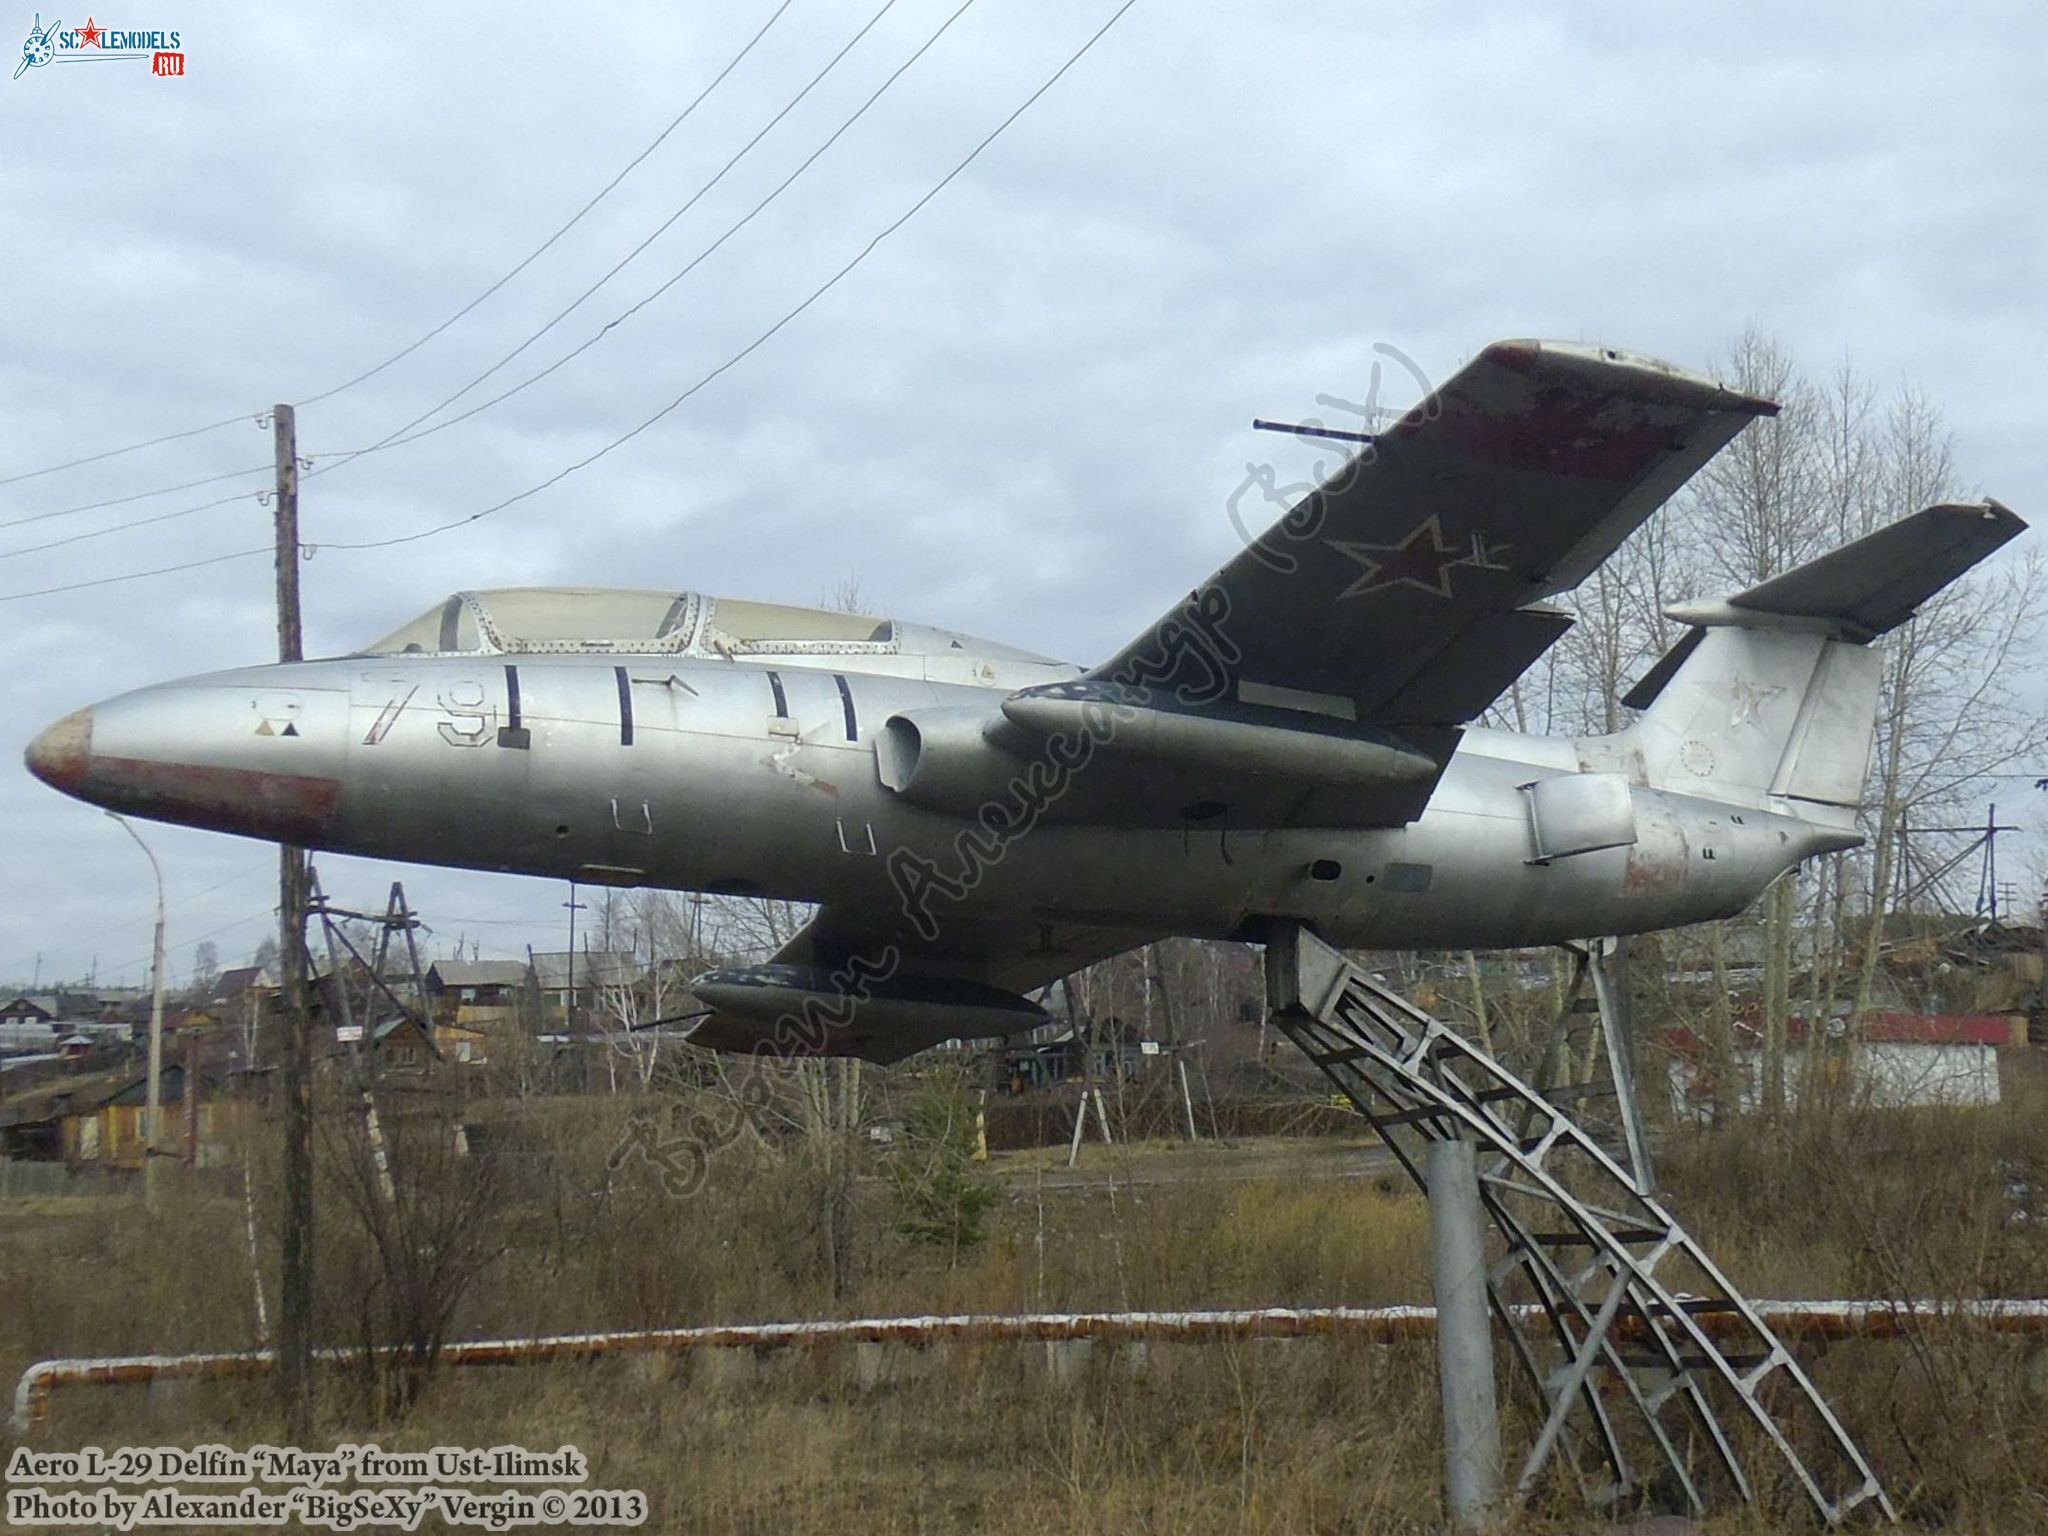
(1245,1437)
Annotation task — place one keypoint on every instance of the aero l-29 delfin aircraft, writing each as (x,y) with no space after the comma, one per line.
(1290,744)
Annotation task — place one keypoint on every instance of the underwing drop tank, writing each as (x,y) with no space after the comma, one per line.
(803,1010)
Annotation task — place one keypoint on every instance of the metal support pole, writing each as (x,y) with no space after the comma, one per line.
(152,1114)
(1617,1032)
(1464,1340)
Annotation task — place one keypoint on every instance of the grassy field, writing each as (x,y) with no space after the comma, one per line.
(1254,1437)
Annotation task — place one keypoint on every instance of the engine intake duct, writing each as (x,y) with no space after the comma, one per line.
(954,760)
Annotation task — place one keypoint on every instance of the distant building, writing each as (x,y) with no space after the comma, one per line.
(594,973)
(474,998)
(238,998)
(27,1037)
(98,1119)
(1902,1059)
(239,984)
(403,1044)
(473,1002)
(1110,1051)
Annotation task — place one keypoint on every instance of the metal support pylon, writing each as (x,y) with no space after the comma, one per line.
(1656,1379)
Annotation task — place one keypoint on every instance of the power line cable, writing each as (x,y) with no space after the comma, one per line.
(575,219)
(659,230)
(397,435)
(405,434)
(406,351)
(115,453)
(138,522)
(122,501)
(759,341)
(108,581)
(755,345)
(269,913)
(175,904)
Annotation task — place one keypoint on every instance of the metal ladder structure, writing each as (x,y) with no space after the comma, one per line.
(1659,1384)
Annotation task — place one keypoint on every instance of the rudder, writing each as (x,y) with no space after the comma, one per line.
(1772,696)
(1752,715)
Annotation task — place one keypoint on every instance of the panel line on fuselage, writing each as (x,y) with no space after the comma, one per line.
(846,703)
(513,733)
(625,706)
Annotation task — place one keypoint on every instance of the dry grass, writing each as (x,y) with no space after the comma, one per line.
(1267,1437)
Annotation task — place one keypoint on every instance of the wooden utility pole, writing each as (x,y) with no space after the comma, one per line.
(295,1284)
(191,1097)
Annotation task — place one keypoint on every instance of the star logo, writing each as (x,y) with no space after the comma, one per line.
(89,35)
(1746,701)
(1423,559)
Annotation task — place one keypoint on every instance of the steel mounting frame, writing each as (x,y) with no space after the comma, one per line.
(1638,1398)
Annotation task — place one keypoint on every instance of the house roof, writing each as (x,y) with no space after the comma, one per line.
(237,979)
(65,1096)
(384,1032)
(477,973)
(1939,1028)
(593,969)
(170,1088)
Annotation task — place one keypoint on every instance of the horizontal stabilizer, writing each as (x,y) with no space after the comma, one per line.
(1861,590)
(1854,593)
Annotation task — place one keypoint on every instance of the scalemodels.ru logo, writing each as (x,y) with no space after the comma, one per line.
(57,44)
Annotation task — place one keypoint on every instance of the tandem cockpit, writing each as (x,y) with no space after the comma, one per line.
(525,621)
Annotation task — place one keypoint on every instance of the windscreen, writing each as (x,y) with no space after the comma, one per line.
(516,619)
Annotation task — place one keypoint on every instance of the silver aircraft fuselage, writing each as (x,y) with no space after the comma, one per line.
(730,775)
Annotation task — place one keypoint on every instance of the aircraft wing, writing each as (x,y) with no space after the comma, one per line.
(1401,597)
(1005,954)
(1015,954)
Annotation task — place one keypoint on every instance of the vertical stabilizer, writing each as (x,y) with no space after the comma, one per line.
(1771,698)
(1753,715)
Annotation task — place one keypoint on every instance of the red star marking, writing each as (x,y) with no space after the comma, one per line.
(1421,560)
(89,35)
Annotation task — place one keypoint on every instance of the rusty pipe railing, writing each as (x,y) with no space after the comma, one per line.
(1800,1319)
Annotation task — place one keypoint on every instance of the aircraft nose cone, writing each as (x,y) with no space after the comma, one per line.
(61,754)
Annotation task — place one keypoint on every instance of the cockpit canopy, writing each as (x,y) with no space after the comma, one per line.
(525,620)
(515,621)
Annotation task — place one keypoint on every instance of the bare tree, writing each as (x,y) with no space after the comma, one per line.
(1759,506)
(205,967)
(1951,712)
(428,1221)
(1835,463)
(844,595)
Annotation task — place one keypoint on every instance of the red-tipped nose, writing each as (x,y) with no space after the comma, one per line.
(60,755)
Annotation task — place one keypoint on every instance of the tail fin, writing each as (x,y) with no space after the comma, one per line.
(1772,696)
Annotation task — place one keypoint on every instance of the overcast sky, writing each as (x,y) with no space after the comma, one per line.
(1021,416)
